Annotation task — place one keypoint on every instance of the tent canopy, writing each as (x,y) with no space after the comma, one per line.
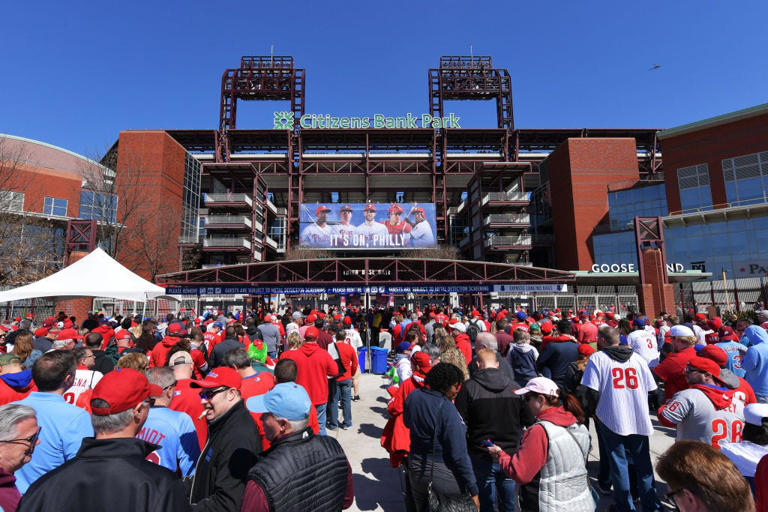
(95,275)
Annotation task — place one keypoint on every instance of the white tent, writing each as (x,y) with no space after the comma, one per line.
(95,275)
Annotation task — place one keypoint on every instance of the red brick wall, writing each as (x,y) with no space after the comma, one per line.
(711,146)
(150,182)
(38,182)
(579,173)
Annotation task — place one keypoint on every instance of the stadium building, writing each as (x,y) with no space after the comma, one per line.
(541,217)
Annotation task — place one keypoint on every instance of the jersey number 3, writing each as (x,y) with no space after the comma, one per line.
(624,377)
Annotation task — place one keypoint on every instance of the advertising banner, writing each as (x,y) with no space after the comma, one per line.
(367,226)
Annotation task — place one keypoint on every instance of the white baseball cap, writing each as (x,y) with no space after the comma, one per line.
(679,331)
(459,327)
(541,385)
(754,414)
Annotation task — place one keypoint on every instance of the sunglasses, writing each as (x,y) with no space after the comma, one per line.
(671,495)
(207,394)
(32,440)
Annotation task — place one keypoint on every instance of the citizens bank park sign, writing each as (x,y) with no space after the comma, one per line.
(287,121)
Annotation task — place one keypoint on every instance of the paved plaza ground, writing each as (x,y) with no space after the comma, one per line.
(378,486)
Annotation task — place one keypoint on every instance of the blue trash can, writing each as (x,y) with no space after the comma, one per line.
(361,353)
(379,360)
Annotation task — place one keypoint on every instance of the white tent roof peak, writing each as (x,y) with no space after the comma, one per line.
(94,275)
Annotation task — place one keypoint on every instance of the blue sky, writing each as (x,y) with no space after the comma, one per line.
(76,73)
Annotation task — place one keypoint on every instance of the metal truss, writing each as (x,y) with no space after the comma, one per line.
(365,272)
(81,236)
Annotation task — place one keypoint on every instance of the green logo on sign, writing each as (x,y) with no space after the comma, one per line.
(283,121)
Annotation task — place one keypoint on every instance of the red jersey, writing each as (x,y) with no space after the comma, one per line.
(672,371)
(186,399)
(211,340)
(523,326)
(402,227)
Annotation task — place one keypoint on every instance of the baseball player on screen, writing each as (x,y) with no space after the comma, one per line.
(399,230)
(317,234)
(421,234)
(371,233)
(345,230)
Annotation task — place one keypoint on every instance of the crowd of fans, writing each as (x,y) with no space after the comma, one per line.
(490,409)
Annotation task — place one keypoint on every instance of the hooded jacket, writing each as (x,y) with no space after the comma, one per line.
(313,367)
(555,359)
(491,410)
(522,358)
(672,371)
(396,437)
(464,344)
(110,473)
(16,386)
(755,361)
(159,354)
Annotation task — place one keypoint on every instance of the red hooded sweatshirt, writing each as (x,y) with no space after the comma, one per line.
(720,397)
(107,333)
(313,367)
(16,386)
(464,344)
(159,354)
(524,465)
(396,437)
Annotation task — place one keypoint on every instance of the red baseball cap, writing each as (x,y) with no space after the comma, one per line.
(701,316)
(123,335)
(268,318)
(176,328)
(420,210)
(422,361)
(122,389)
(727,334)
(68,334)
(716,354)
(311,318)
(705,365)
(395,208)
(218,377)
(346,208)
(347,320)
(546,327)
(321,208)
(311,333)
(585,349)
(370,206)
(42,331)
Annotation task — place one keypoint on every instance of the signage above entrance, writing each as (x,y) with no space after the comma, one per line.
(287,121)
(603,268)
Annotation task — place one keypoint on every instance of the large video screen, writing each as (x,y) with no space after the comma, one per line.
(367,226)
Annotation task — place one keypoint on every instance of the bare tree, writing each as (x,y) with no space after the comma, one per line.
(31,245)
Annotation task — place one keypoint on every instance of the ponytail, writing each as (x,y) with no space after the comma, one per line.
(573,406)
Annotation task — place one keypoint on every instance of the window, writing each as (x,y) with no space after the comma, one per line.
(190,222)
(11,201)
(97,205)
(693,183)
(55,206)
(746,178)
(625,205)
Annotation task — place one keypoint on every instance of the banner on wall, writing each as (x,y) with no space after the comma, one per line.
(367,226)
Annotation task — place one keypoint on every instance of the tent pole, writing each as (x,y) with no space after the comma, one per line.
(144,309)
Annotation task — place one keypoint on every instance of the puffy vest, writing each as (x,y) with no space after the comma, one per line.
(302,472)
(564,483)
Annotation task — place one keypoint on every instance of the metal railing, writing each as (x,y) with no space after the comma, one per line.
(228,198)
(507,218)
(226,242)
(505,196)
(213,220)
(497,241)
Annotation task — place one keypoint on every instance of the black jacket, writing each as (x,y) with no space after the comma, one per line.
(107,474)
(217,354)
(555,358)
(222,469)
(504,366)
(288,473)
(492,410)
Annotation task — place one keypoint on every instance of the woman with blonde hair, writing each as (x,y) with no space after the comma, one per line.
(294,341)
(135,361)
(449,353)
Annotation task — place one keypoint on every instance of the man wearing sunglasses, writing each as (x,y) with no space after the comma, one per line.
(706,411)
(110,471)
(232,447)
(18,438)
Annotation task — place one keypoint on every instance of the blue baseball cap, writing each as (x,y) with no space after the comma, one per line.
(287,400)
(520,315)
(403,346)
(639,322)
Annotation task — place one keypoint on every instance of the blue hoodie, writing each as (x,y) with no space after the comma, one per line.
(755,361)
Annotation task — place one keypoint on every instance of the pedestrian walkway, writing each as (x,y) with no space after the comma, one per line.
(378,486)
